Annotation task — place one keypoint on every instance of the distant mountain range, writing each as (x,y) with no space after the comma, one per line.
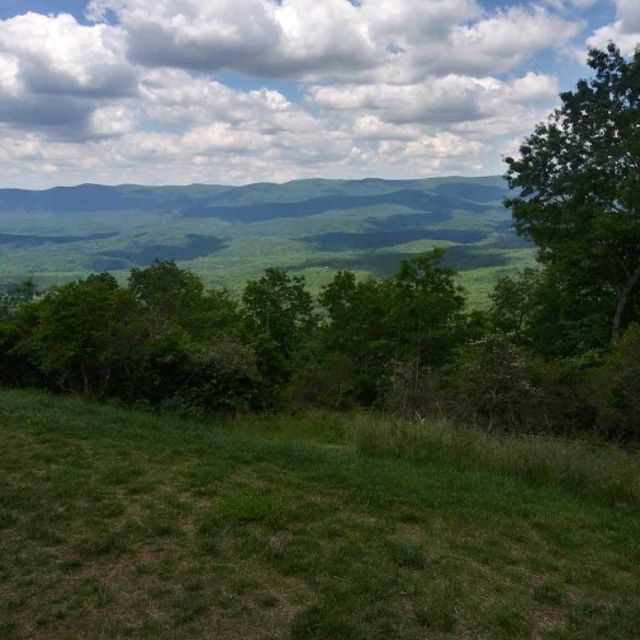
(231,233)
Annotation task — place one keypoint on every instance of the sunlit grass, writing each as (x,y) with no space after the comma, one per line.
(119,524)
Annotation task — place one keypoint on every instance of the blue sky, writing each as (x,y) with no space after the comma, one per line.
(243,90)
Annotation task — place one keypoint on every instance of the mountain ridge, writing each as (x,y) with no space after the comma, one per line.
(229,233)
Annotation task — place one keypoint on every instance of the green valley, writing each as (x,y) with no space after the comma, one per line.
(230,234)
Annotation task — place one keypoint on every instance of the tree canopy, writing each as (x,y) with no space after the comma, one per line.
(578,188)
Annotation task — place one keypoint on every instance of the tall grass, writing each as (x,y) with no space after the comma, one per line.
(586,468)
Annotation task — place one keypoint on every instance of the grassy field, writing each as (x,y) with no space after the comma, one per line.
(116,524)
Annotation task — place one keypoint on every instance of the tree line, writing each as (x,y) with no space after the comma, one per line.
(407,344)
(557,350)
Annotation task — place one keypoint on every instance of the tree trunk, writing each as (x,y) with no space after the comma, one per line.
(623,299)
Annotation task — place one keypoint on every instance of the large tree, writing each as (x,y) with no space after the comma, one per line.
(578,184)
(82,334)
(279,318)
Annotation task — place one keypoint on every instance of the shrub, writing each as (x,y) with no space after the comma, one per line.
(81,335)
(16,370)
(326,383)
(616,387)
(416,393)
(158,367)
(492,384)
(222,379)
(563,405)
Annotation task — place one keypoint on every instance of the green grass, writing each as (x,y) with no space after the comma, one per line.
(591,469)
(116,524)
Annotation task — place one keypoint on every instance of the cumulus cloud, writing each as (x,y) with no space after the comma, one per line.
(624,31)
(337,87)
(439,101)
(629,14)
(55,72)
(333,38)
(257,37)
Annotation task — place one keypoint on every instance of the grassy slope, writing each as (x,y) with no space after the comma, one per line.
(116,524)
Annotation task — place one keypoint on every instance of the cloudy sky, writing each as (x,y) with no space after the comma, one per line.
(236,91)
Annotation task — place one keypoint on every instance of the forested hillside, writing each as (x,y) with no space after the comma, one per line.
(228,234)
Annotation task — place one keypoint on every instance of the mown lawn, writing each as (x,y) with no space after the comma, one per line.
(116,524)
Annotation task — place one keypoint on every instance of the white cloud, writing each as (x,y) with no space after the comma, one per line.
(625,31)
(59,56)
(54,72)
(629,14)
(113,120)
(439,101)
(257,37)
(390,39)
(534,87)
(616,32)
(504,40)
(385,87)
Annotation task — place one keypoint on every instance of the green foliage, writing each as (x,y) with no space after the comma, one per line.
(174,296)
(493,385)
(325,382)
(15,321)
(617,389)
(425,310)
(278,316)
(220,378)
(279,307)
(162,340)
(404,344)
(15,296)
(82,334)
(550,313)
(416,393)
(578,183)
(357,313)
(512,304)
(165,340)
(564,404)
(416,316)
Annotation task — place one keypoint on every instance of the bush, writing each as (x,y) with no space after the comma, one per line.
(81,335)
(416,393)
(616,387)
(221,379)
(327,383)
(564,405)
(157,368)
(492,384)
(17,370)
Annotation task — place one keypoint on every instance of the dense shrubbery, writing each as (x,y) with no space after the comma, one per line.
(164,340)
(493,385)
(616,387)
(406,345)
